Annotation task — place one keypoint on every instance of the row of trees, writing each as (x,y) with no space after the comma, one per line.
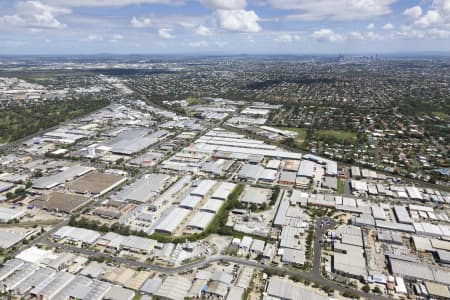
(21,121)
(217,225)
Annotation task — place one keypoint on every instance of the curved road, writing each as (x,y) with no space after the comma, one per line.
(313,276)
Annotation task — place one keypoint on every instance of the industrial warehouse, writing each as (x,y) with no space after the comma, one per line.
(147,203)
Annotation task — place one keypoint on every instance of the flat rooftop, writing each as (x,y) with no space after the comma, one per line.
(96,183)
(62,202)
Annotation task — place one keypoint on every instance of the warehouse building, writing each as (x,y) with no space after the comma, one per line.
(402,215)
(307,169)
(201,220)
(96,183)
(17,276)
(76,234)
(60,202)
(7,214)
(292,256)
(212,205)
(174,288)
(203,188)
(418,271)
(273,164)
(355,172)
(135,140)
(48,288)
(223,190)
(255,195)
(287,178)
(5,186)
(330,183)
(291,165)
(171,193)
(190,201)
(68,174)
(111,241)
(349,260)
(33,280)
(172,220)
(144,189)
(268,175)
(281,288)
(151,285)
(250,172)
(443,256)
(138,244)
(378,212)
(9,239)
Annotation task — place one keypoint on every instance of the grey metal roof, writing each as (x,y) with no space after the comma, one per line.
(144,189)
(255,195)
(212,205)
(250,171)
(136,140)
(284,289)
(48,182)
(201,220)
(402,214)
(9,238)
(151,285)
(172,220)
(203,187)
(34,279)
(223,190)
(306,169)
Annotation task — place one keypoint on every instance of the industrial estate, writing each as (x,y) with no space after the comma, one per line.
(209,197)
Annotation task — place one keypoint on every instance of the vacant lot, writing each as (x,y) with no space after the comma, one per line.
(318,134)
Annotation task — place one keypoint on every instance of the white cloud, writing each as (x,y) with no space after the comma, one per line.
(140,22)
(35,15)
(443,6)
(374,36)
(440,34)
(327,35)
(238,20)
(203,30)
(438,16)
(388,26)
(287,38)
(198,44)
(413,12)
(356,35)
(116,37)
(93,38)
(221,44)
(225,4)
(165,33)
(340,10)
(368,36)
(371,26)
(110,3)
(431,18)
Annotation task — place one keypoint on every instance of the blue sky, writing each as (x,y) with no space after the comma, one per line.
(223,26)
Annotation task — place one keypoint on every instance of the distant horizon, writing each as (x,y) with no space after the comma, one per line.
(202,54)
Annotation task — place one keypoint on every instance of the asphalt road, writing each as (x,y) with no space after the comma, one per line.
(313,276)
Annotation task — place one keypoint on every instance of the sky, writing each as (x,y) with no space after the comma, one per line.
(223,26)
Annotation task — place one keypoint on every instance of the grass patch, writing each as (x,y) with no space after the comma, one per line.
(301,133)
(340,186)
(195,101)
(440,114)
(338,134)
